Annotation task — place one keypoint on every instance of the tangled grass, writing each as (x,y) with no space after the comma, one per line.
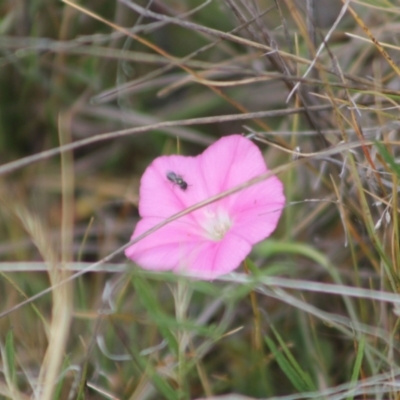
(90,93)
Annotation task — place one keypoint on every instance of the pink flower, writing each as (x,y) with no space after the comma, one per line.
(215,239)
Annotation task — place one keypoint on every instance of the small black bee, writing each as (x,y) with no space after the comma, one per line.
(177,180)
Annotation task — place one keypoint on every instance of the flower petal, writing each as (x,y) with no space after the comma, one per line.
(164,248)
(214,239)
(218,258)
(230,161)
(159,197)
(257,209)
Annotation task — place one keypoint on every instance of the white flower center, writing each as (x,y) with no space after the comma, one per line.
(216,224)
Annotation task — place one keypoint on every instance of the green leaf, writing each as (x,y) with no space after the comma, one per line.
(388,158)
(60,383)
(301,373)
(285,366)
(10,356)
(149,301)
(357,365)
(163,322)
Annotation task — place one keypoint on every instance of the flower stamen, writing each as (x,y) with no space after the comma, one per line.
(216,224)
